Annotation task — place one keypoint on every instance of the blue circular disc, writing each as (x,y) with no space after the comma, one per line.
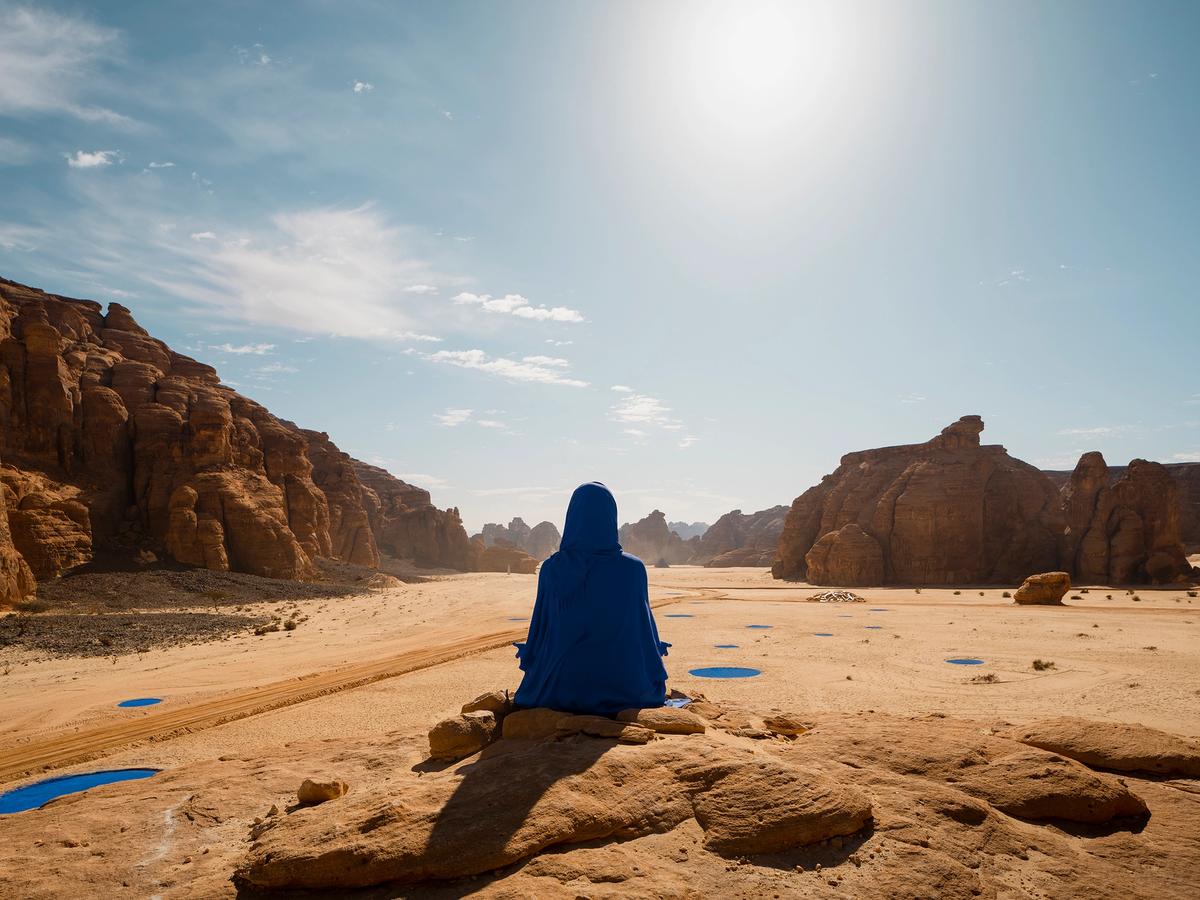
(822,634)
(724,672)
(679,615)
(760,626)
(725,646)
(965,661)
(140,701)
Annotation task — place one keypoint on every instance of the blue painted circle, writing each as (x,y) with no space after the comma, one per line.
(845,616)
(678,615)
(518,618)
(140,701)
(873,627)
(965,661)
(724,672)
(725,646)
(34,795)
(822,634)
(878,609)
(760,626)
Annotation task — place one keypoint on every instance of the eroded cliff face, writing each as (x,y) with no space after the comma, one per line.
(407,525)
(114,443)
(742,539)
(953,511)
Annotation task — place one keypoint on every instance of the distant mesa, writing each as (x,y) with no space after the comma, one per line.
(502,556)
(540,541)
(115,444)
(735,539)
(651,540)
(953,511)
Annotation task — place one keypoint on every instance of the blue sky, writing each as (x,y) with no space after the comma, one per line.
(694,250)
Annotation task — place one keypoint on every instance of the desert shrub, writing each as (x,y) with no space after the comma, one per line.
(266,629)
(31,606)
(918,590)
(1137,599)
(1041,665)
(1083,590)
(1076,597)
(956,593)
(1151,648)
(1191,593)
(289,625)
(989,678)
(981,593)
(1007,595)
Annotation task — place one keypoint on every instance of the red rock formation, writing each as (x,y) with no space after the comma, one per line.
(408,526)
(740,539)
(1127,532)
(113,441)
(1187,481)
(948,511)
(1043,589)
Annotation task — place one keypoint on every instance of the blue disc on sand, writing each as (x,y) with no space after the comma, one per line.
(965,661)
(724,672)
(140,701)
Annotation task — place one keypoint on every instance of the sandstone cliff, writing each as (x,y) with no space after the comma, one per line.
(953,511)
(742,539)
(1187,482)
(113,443)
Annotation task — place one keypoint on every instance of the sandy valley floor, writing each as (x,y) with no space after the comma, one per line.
(1112,656)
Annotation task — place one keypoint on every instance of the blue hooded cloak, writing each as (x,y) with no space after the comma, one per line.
(593,645)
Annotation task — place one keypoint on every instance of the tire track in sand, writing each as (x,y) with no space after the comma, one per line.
(81,746)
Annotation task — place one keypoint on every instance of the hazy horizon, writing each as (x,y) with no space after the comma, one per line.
(696,251)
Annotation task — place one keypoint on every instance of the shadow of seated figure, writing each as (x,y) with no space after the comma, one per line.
(593,645)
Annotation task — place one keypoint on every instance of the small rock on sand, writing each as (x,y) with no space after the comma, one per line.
(312,792)
(461,735)
(498,702)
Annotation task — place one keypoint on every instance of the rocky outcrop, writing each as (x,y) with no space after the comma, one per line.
(1043,589)
(407,525)
(1186,476)
(651,541)
(948,511)
(1123,532)
(1117,746)
(539,541)
(742,539)
(953,511)
(517,799)
(16,579)
(114,442)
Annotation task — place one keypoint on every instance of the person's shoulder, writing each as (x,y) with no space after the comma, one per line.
(632,562)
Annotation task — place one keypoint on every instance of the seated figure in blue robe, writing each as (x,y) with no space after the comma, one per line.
(593,645)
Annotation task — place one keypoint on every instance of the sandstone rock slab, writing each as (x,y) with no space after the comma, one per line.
(1044,589)
(1120,746)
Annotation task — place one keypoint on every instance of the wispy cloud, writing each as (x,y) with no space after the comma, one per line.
(622,389)
(1098,431)
(529,368)
(19,237)
(452,417)
(912,398)
(420,289)
(516,305)
(50,62)
(276,369)
(688,441)
(14,152)
(641,408)
(254,55)
(160,165)
(92,159)
(363,87)
(327,271)
(244,349)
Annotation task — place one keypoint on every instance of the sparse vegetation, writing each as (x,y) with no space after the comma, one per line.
(1007,595)
(1083,590)
(1151,648)
(290,625)
(918,590)
(1041,665)
(981,593)
(1076,597)
(1137,599)
(989,678)
(266,629)
(956,593)
(31,606)
(1108,596)
(1191,593)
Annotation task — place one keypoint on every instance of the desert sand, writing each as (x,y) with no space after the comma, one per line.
(354,689)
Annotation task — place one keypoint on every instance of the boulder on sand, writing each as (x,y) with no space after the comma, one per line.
(460,736)
(664,720)
(1046,589)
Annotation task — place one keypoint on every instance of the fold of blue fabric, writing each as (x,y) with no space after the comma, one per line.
(593,644)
